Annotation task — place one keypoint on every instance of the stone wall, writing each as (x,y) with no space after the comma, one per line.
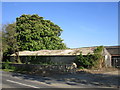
(46,69)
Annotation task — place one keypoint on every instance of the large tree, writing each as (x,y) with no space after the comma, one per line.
(35,33)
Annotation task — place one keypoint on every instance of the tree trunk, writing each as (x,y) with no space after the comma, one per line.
(18,58)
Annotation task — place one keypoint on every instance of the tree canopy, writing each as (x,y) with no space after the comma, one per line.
(34,33)
(30,32)
(8,39)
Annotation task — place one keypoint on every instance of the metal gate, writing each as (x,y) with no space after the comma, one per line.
(116,61)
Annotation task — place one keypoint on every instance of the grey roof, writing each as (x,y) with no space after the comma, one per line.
(113,50)
(77,51)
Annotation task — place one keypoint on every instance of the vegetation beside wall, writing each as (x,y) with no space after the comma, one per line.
(7,67)
(90,60)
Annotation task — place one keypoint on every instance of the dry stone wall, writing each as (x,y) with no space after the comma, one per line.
(46,69)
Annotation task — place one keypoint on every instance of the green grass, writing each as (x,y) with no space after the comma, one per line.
(7,70)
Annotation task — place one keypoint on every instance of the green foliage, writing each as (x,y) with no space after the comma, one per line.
(98,50)
(98,53)
(90,60)
(30,32)
(8,38)
(8,67)
(85,61)
(98,57)
(80,67)
(34,33)
(9,42)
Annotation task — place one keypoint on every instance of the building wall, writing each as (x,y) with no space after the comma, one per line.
(46,59)
(62,59)
(107,58)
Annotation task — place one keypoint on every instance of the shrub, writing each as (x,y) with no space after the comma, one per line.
(7,66)
(84,61)
(90,60)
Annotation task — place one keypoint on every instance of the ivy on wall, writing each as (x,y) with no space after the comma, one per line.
(90,60)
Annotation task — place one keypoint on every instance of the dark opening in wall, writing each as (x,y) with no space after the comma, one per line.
(115,61)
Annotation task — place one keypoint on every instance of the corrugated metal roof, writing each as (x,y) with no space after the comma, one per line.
(77,51)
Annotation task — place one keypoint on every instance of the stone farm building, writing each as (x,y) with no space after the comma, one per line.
(56,56)
(60,56)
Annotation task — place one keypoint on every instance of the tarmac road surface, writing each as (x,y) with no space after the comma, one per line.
(17,80)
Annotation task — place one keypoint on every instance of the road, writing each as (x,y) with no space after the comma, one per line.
(17,80)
